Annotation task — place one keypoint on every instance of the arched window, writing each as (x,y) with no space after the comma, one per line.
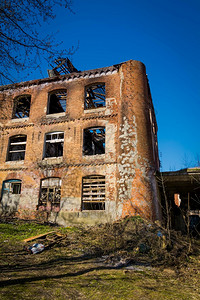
(57,101)
(94,141)
(54,144)
(50,193)
(95,96)
(16,148)
(21,106)
(93,192)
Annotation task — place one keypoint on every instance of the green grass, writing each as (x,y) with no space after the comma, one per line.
(19,231)
(105,284)
(64,273)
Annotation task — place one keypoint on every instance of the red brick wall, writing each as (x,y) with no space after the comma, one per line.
(128,162)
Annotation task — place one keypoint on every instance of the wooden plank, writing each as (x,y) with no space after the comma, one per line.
(93,193)
(93,199)
(93,180)
(38,236)
(93,186)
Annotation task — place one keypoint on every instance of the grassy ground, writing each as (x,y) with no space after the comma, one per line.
(66,271)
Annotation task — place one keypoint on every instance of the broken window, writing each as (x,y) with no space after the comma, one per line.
(95,96)
(50,193)
(54,144)
(94,141)
(22,107)
(17,148)
(93,192)
(11,190)
(57,102)
(12,186)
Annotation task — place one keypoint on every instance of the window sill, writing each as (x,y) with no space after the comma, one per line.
(52,160)
(92,210)
(57,115)
(19,120)
(93,110)
(95,156)
(17,162)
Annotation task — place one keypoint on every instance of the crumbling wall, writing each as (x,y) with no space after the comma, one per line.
(127,165)
(136,165)
(72,166)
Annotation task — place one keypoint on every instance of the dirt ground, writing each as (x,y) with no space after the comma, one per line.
(77,268)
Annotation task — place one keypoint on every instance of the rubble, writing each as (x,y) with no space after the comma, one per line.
(46,241)
(134,240)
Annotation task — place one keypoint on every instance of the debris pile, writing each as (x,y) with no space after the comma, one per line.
(45,241)
(128,242)
(131,240)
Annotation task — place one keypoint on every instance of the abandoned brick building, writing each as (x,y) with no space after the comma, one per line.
(80,147)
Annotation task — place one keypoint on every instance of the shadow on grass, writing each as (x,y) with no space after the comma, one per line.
(31,266)
(11,282)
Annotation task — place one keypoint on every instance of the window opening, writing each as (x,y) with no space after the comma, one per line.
(54,144)
(57,102)
(12,186)
(10,195)
(22,107)
(93,192)
(17,148)
(50,193)
(95,96)
(94,141)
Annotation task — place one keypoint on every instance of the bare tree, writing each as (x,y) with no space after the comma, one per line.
(197,160)
(22,41)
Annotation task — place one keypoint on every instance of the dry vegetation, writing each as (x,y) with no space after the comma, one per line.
(130,259)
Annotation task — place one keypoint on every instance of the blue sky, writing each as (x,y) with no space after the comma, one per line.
(165,36)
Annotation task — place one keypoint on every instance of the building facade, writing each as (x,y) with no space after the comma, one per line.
(81,147)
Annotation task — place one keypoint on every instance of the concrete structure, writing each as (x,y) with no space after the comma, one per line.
(81,147)
(182,191)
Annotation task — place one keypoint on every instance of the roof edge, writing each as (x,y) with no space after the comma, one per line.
(66,76)
(186,171)
(61,77)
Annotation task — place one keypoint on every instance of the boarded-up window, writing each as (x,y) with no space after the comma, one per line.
(16,148)
(50,193)
(22,107)
(94,141)
(93,192)
(54,144)
(57,102)
(95,96)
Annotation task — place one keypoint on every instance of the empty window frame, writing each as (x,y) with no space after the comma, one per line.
(54,144)
(12,186)
(16,148)
(94,141)
(95,96)
(57,102)
(93,192)
(50,193)
(22,106)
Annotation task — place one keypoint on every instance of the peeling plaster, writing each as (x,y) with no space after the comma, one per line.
(128,158)
(130,180)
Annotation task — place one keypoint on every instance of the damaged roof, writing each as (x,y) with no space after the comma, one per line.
(71,76)
(184,180)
